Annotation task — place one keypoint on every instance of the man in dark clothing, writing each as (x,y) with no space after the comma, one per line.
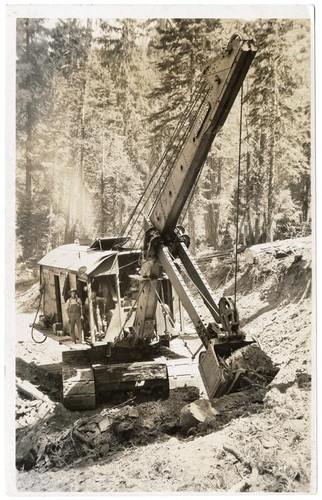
(101,314)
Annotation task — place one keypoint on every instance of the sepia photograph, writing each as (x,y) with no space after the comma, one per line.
(162,246)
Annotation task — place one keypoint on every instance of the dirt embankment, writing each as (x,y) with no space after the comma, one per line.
(259,441)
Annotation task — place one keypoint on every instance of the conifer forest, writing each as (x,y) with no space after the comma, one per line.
(98,100)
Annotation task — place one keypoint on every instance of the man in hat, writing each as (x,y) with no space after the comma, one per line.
(75,314)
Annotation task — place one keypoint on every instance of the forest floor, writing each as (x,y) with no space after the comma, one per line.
(261,439)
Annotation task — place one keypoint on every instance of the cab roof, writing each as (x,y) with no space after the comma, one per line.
(96,259)
(77,258)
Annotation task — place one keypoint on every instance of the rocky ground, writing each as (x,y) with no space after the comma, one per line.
(257,440)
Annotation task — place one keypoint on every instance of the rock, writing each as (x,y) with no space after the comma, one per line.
(173,441)
(134,413)
(169,426)
(104,424)
(194,413)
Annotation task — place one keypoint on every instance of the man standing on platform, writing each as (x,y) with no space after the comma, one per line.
(74,308)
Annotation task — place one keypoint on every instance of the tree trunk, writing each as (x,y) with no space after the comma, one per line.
(271,191)
(28,122)
(212,216)
(306,197)
(258,194)
(102,199)
(27,249)
(49,245)
(271,173)
(248,223)
(75,217)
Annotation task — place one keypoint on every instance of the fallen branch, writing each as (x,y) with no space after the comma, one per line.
(238,457)
(125,402)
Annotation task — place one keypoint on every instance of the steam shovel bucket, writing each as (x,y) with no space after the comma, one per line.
(233,366)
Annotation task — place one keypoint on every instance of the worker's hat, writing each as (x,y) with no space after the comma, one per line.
(72,290)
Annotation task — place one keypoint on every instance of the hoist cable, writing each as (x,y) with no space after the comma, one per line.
(238,185)
(169,165)
(178,148)
(214,311)
(187,110)
(139,238)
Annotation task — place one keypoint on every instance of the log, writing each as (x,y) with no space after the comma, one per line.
(218,255)
(26,281)
(83,438)
(278,249)
(29,390)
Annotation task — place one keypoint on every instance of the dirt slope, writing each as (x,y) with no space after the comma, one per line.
(261,439)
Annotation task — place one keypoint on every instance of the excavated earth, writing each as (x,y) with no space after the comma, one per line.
(261,438)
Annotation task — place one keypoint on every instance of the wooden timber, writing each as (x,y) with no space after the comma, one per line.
(278,249)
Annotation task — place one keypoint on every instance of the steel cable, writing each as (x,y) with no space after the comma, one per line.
(238,185)
(185,116)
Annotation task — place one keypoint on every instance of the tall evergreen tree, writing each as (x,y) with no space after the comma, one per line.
(273,132)
(32,82)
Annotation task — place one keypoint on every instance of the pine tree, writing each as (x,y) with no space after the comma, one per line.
(33,73)
(273,123)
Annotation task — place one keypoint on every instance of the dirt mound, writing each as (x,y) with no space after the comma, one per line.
(256,368)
